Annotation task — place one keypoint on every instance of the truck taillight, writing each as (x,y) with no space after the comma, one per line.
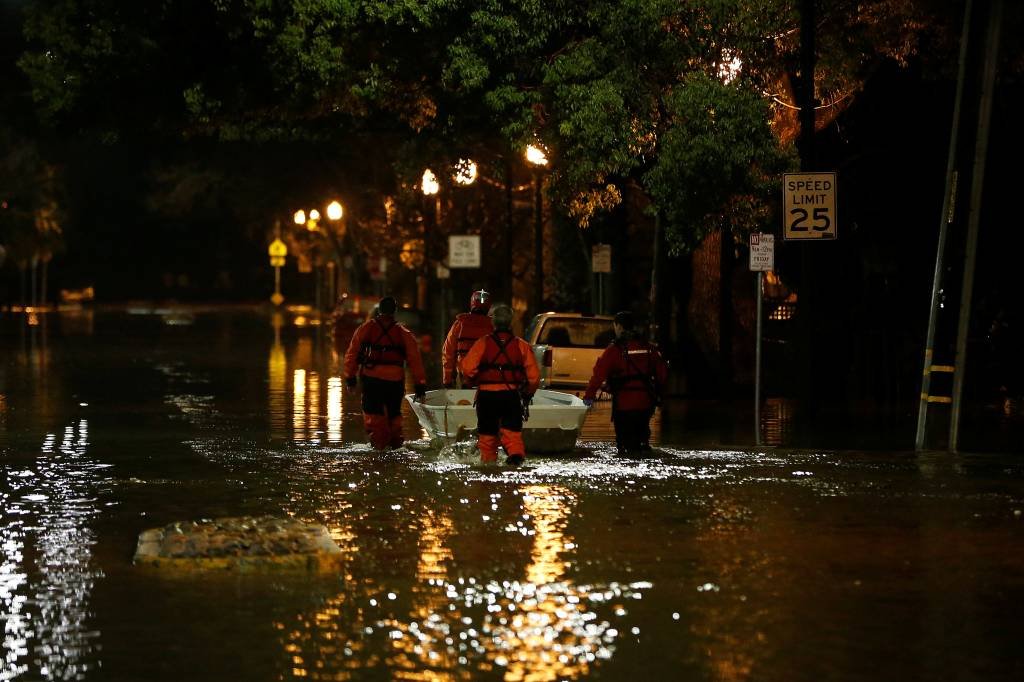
(547,357)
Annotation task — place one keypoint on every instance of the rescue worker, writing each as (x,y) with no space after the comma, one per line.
(635,374)
(502,367)
(467,328)
(377,355)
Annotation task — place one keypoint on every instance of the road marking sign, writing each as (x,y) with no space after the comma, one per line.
(809,206)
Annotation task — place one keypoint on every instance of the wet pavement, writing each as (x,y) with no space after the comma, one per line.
(726,562)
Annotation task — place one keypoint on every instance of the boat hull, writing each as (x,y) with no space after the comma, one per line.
(554,424)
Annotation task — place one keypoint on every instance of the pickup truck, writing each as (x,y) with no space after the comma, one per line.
(567,345)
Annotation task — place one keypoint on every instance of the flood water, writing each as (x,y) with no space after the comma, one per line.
(695,564)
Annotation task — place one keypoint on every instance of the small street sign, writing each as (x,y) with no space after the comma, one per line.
(601,258)
(762,252)
(809,206)
(277,252)
(464,251)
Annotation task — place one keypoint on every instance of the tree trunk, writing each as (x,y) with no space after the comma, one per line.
(725,315)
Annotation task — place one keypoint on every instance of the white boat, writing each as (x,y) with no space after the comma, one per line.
(555,418)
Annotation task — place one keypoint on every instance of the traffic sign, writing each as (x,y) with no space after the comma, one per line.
(464,251)
(277,252)
(601,258)
(809,206)
(762,252)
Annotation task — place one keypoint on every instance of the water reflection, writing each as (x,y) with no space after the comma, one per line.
(48,512)
(777,421)
(541,626)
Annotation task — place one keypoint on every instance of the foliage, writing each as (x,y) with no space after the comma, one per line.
(680,98)
(30,216)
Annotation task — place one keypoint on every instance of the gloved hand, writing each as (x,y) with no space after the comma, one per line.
(589,402)
(350,384)
(421,392)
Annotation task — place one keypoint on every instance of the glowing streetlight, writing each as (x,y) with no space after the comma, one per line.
(334,210)
(536,155)
(314,215)
(465,172)
(299,217)
(430,185)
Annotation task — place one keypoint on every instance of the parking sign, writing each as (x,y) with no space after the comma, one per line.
(464,251)
(762,252)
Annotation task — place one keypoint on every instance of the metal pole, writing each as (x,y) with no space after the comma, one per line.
(808,162)
(988,80)
(538,243)
(757,360)
(655,272)
(35,270)
(948,209)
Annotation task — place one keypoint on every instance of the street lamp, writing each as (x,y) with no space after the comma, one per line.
(431,187)
(429,184)
(311,221)
(536,156)
(465,172)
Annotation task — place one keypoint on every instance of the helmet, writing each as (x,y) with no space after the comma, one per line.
(387,306)
(480,300)
(501,316)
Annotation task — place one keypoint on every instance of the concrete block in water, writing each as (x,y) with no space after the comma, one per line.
(241,544)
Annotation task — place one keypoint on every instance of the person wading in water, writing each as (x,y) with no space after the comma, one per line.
(467,328)
(377,356)
(502,367)
(635,374)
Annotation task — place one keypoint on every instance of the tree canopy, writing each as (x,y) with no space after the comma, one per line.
(688,103)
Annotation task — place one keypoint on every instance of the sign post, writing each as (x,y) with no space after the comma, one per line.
(600,264)
(762,259)
(277,252)
(809,206)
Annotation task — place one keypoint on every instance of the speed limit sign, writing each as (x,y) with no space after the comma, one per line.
(809,206)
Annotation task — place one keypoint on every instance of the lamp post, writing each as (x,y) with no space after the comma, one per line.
(431,188)
(311,221)
(538,159)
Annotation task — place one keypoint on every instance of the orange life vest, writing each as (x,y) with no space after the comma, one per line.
(502,361)
(383,349)
(474,325)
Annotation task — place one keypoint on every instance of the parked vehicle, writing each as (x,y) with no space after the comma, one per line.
(567,345)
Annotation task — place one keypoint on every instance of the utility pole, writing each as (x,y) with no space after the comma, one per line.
(988,82)
(805,145)
(979,51)
(945,219)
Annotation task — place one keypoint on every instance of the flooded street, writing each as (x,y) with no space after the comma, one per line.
(693,564)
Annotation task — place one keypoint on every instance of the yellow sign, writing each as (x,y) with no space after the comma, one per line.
(809,206)
(277,249)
